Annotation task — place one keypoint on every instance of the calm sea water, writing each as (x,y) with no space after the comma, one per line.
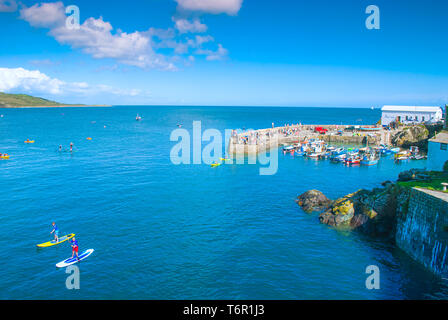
(162,231)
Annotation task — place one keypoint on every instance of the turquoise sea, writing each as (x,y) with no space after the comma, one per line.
(162,231)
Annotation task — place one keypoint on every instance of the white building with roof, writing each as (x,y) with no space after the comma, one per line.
(438,151)
(410,114)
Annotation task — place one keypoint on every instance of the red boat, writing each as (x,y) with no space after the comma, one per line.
(352,161)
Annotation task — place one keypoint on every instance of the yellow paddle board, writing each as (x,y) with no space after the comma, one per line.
(53,243)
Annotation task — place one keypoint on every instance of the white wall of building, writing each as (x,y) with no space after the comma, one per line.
(411,116)
(436,156)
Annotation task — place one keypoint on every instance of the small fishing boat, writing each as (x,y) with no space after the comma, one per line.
(314,155)
(288,148)
(338,158)
(418,157)
(401,156)
(324,156)
(352,161)
(369,160)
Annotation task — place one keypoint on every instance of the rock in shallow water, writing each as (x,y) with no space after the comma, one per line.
(313,200)
(340,213)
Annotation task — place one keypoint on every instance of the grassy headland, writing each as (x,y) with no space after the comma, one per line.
(25,101)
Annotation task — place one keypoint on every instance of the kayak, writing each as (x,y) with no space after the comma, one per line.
(53,242)
(89,138)
(6,157)
(32,141)
(225,159)
(70,261)
(214,165)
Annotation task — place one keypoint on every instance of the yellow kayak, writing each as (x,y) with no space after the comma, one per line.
(4,157)
(32,141)
(53,243)
(214,165)
(225,159)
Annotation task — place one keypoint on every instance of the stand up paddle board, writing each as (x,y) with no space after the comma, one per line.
(53,242)
(70,261)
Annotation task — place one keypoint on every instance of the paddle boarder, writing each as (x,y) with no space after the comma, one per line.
(55,231)
(74,244)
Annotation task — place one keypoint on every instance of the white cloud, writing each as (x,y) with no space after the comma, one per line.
(44,15)
(219,54)
(44,62)
(34,81)
(183,47)
(200,40)
(26,80)
(8,5)
(96,37)
(185,26)
(230,7)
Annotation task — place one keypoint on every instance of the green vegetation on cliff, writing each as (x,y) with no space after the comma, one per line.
(432,182)
(24,100)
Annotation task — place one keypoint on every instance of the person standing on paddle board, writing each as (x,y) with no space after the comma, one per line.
(56,232)
(74,244)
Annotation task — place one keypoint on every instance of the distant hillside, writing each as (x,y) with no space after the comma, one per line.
(24,100)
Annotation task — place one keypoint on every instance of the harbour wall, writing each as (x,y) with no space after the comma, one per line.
(422,229)
(273,137)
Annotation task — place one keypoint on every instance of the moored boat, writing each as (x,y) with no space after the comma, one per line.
(369,160)
(354,160)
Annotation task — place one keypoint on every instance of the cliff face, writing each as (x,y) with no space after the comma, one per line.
(411,136)
(417,135)
(422,231)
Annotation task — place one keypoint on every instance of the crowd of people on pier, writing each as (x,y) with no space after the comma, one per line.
(261,136)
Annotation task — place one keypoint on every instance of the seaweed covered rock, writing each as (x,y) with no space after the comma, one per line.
(340,213)
(371,212)
(313,200)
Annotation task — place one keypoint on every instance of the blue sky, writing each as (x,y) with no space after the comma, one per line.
(227,52)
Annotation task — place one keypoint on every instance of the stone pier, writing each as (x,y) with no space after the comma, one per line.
(255,141)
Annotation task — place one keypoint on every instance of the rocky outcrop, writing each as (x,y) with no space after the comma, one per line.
(371,212)
(411,136)
(340,213)
(313,200)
